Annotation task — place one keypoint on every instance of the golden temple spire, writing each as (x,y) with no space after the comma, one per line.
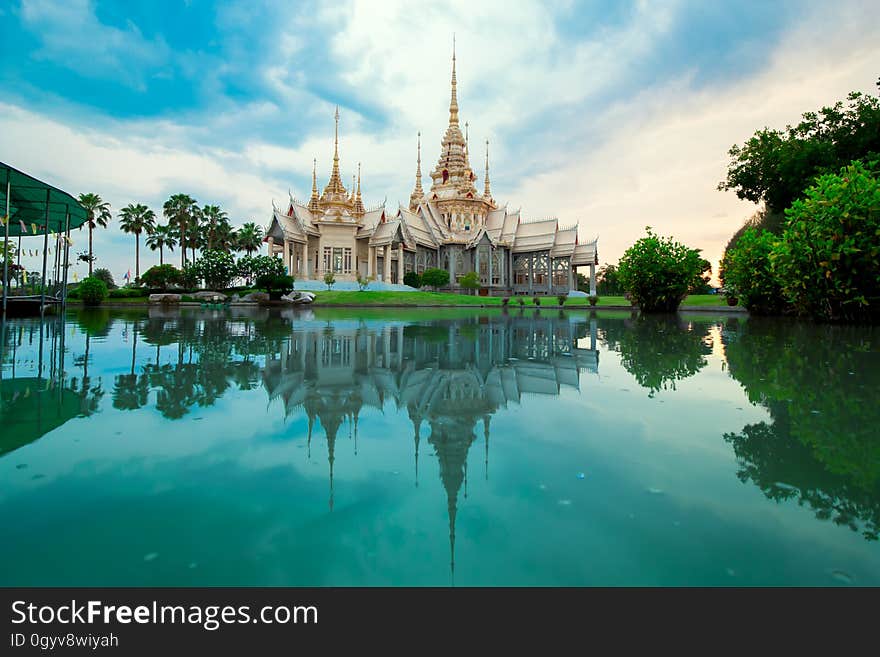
(335,185)
(467,142)
(358,201)
(487,193)
(418,194)
(313,201)
(453,103)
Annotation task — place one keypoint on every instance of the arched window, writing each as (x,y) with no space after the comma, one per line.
(445,175)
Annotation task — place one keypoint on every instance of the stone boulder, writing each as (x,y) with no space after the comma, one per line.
(255,297)
(206,295)
(298,298)
(164,297)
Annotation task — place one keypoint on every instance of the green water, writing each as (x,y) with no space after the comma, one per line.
(416,447)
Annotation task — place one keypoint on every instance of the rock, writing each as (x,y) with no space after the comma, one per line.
(205,295)
(298,298)
(255,297)
(165,297)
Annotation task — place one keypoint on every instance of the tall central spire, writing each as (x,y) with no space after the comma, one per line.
(486,193)
(313,201)
(453,103)
(334,187)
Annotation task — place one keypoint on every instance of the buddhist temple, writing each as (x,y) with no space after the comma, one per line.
(451,226)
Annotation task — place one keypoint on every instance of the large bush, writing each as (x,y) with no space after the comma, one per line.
(92,291)
(161,277)
(657,272)
(217,269)
(105,275)
(275,284)
(747,275)
(829,257)
(470,281)
(435,278)
(251,267)
(412,279)
(127,293)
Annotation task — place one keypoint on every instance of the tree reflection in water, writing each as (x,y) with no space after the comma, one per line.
(822,447)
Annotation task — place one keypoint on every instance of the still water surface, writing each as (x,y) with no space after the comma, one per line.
(415,447)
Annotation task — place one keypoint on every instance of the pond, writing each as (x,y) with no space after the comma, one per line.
(437,447)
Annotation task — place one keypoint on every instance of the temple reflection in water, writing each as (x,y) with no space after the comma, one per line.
(450,376)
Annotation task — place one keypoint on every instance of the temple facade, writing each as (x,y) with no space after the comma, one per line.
(452,226)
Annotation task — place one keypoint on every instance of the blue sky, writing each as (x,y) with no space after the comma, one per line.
(614,114)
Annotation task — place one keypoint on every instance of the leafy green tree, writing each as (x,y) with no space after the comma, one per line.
(747,275)
(97,214)
(364,281)
(329,280)
(607,281)
(134,220)
(658,271)
(435,278)
(92,291)
(276,284)
(161,277)
(106,276)
(470,281)
(412,279)
(777,166)
(181,212)
(249,238)
(828,259)
(160,239)
(217,269)
(250,267)
(700,283)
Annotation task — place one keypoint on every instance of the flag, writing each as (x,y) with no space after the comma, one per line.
(75,277)
(23,227)
(34,228)
(127,275)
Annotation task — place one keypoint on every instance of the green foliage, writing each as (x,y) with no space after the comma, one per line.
(658,271)
(412,279)
(505,301)
(777,166)
(127,293)
(521,301)
(607,281)
(435,278)
(275,284)
(329,280)
(217,269)
(470,281)
(106,276)
(92,291)
(364,281)
(161,277)
(249,238)
(251,267)
(189,276)
(747,275)
(536,300)
(561,298)
(829,257)
(593,299)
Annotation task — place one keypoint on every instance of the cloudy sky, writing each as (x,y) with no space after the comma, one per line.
(614,114)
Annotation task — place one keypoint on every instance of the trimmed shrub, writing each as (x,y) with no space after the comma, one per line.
(435,278)
(658,271)
(161,277)
(593,300)
(276,285)
(127,293)
(412,279)
(92,291)
(470,281)
(561,299)
(252,267)
(536,300)
(521,301)
(329,280)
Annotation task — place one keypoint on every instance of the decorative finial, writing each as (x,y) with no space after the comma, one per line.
(418,193)
(358,201)
(467,142)
(313,201)
(487,193)
(453,103)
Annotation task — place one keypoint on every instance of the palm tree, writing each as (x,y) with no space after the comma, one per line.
(249,237)
(180,209)
(98,213)
(225,238)
(137,219)
(212,218)
(162,238)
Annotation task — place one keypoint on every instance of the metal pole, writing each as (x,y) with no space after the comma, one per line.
(45,247)
(66,261)
(6,252)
